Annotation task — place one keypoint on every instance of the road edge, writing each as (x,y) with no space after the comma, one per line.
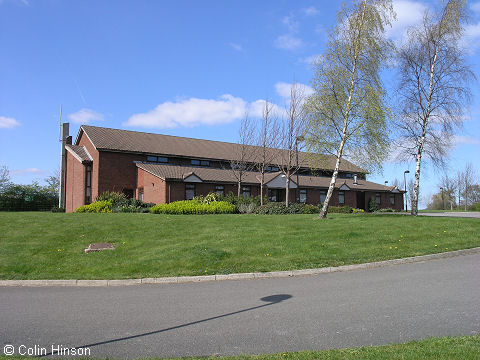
(240,276)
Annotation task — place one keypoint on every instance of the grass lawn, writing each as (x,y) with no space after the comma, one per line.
(462,347)
(35,245)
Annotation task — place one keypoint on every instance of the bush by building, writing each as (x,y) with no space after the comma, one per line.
(34,197)
(194,207)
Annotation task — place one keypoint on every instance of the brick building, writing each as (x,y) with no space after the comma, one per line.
(161,169)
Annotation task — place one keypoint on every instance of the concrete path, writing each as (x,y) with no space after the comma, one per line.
(342,309)
(469,214)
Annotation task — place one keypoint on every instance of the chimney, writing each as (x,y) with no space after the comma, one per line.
(355,179)
(63,164)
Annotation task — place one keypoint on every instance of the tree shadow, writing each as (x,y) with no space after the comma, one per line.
(270,300)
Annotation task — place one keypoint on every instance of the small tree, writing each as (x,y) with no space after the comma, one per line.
(266,141)
(244,153)
(433,90)
(347,113)
(53,182)
(4,179)
(291,131)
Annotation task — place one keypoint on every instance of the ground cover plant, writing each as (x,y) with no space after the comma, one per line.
(36,245)
(460,347)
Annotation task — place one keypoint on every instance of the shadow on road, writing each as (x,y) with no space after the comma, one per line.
(270,300)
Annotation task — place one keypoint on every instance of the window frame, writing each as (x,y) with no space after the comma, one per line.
(378,198)
(341,195)
(304,193)
(190,187)
(220,190)
(88,184)
(323,193)
(392,199)
(246,191)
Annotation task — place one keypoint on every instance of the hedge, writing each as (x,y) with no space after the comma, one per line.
(104,206)
(193,207)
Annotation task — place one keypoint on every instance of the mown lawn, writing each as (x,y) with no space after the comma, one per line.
(461,347)
(51,246)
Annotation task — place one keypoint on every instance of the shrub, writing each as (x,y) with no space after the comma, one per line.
(340,209)
(237,200)
(246,208)
(372,205)
(311,209)
(386,210)
(104,206)
(115,198)
(193,207)
(477,206)
(27,198)
(57,209)
(279,208)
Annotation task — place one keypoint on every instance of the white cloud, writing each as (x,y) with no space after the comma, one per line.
(288,42)
(311,11)
(465,140)
(8,122)
(236,46)
(191,112)
(408,13)
(290,23)
(84,116)
(26,171)
(283,89)
(471,37)
(256,108)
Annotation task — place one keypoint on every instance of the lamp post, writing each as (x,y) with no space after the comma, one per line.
(405,188)
(297,192)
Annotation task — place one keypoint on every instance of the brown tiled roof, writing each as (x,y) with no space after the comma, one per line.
(179,173)
(141,142)
(80,152)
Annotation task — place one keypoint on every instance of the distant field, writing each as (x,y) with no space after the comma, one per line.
(51,246)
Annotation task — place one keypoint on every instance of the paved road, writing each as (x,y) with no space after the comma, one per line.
(363,307)
(470,214)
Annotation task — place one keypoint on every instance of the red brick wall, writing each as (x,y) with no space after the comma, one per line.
(75,184)
(385,200)
(85,141)
(117,171)
(154,188)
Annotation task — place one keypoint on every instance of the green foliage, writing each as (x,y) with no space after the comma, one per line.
(477,206)
(237,200)
(246,208)
(27,198)
(57,209)
(372,205)
(193,207)
(279,208)
(103,206)
(386,210)
(340,209)
(116,198)
(358,211)
(310,209)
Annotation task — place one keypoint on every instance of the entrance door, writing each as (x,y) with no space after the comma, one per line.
(361,200)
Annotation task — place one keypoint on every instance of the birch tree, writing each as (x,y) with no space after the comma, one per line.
(266,141)
(434,87)
(347,114)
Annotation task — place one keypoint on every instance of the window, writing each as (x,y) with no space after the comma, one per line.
(378,199)
(205,163)
(246,191)
(160,159)
(189,191)
(392,199)
(348,175)
(271,169)
(195,162)
(88,184)
(323,196)
(140,194)
(341,197)
(303,195)
(220,190)
(272,195)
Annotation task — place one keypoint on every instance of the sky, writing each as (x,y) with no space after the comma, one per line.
(184,68)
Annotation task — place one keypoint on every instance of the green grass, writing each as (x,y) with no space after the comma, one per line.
(461,347)
(51,246)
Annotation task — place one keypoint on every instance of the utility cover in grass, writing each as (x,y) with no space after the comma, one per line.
(99,247)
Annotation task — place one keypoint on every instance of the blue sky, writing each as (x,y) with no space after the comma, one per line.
(186,68)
